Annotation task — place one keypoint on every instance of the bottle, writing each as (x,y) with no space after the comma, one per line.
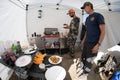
(32,35)
(14,48)
(35,47)
(12,56)
(35,34)
(19,50)
(52,45)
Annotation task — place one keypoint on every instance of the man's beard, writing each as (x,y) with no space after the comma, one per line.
(72,16)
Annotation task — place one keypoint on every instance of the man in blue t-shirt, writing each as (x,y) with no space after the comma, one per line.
(95,32)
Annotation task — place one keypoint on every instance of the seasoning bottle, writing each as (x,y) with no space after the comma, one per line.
(35,34)
(19,50)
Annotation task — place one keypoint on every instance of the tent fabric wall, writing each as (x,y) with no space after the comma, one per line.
(12,22)
(51,18)
(12,28)
(112,30)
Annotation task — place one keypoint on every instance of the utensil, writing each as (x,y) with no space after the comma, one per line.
(42,66)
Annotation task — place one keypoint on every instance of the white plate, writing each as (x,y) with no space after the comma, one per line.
(60,59)
(114,48)
(28,51)
(55,73)
(23,60)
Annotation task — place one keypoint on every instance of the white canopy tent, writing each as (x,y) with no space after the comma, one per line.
(17,23)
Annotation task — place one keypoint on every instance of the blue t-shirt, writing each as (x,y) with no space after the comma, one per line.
(92,27)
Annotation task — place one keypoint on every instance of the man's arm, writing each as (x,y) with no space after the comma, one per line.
(83,40)
(102,35)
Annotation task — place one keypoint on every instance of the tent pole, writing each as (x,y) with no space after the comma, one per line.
(82,14)
(16,4)
(27,20)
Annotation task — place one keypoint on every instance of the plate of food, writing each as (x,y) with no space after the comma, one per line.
(55,59)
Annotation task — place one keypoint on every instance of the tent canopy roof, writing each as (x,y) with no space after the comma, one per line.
(98,4)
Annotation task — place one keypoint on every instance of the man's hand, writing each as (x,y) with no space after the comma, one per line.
(95,49)
(65,26)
